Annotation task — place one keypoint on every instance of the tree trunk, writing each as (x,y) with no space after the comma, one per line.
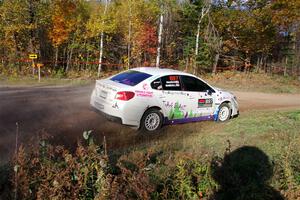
(84,44)
(197,38)
(69,59)
(266,63)
(261,62)
(161,20)
(186,63)
(294,67)
(63,58)
(217,56)
(101,54)
(129,37)
(271,67)
(17,55)
(197,45)
(86,53)
(88,65)
(56,57)
(101,41)
(285,66)
(204,12)
(257,64)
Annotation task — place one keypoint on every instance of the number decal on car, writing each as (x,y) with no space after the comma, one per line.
(205,102)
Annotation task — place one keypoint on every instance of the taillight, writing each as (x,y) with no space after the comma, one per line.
(124,95)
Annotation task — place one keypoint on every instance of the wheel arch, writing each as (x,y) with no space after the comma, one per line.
(148,108)
(153,107)
(230,105)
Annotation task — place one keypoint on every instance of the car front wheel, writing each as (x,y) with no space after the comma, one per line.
(151,120)
(224,112)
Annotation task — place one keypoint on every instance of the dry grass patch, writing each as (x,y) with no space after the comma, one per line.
(255,82)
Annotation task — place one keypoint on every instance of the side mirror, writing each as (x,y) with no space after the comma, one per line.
(209,92)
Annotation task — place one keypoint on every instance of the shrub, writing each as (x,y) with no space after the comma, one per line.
(44,171)
(48,172)
(189,179)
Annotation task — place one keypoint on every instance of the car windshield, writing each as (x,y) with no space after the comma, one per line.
(130,77)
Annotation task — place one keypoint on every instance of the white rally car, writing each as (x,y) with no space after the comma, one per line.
(151,97)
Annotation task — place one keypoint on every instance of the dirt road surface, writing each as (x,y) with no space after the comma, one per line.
(64,113)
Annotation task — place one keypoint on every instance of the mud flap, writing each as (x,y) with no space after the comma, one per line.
(216,113)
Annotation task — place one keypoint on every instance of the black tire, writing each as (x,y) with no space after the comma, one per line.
(151,121)
(224,113)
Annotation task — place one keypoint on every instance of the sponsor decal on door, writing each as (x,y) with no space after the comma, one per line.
(203,103)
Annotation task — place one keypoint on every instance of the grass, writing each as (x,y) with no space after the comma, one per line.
(276,133)
(271,131)
(255,82)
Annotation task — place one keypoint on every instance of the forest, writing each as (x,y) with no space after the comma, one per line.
(199,36)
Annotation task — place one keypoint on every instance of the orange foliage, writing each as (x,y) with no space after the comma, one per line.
(62,21)
(147,39)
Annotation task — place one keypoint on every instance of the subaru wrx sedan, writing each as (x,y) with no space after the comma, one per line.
(149,98)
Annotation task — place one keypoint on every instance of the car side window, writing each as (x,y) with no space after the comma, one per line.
(156,84)
(193,84)
(171,82)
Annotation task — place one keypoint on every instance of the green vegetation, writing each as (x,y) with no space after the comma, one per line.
(185,163)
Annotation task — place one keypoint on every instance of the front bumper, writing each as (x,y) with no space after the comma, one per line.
(236,115)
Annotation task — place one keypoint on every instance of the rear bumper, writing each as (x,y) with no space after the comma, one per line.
(105,109)
(126,113)
(107,116)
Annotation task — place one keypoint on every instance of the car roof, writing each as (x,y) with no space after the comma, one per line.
(159,71)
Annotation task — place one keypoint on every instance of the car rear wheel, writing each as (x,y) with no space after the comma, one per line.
(151,120)
(224,112)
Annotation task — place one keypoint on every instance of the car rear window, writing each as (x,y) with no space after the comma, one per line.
(130,77)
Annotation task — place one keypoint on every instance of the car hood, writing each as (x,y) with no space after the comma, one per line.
(221,90)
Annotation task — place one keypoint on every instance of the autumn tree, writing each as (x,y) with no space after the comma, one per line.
(62,23)
(247,30)
(196,53)
(77,41)
(286,16)
(146,42)
(137,24)
(14,27)
(198,35)
(101,23)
